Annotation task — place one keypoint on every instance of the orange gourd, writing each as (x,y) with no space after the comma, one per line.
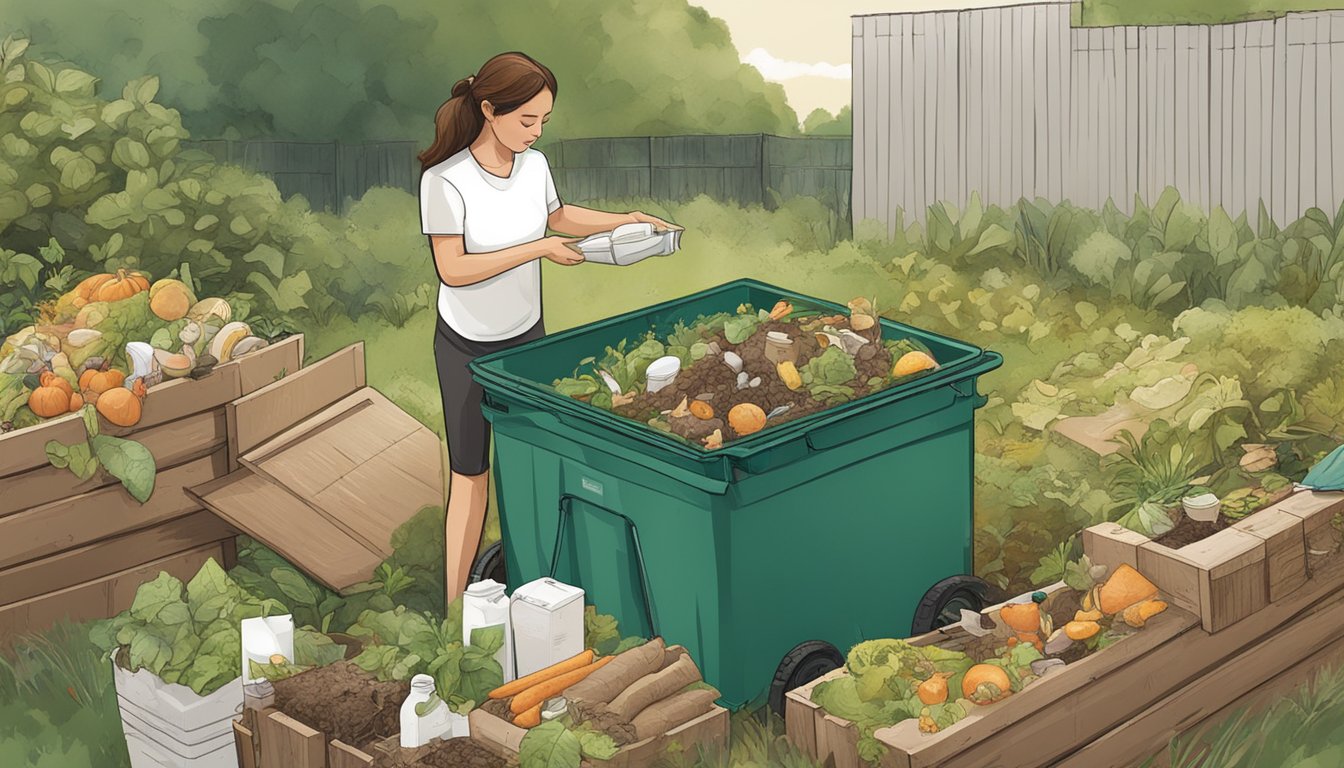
(49,379)
(88,287)
(1124,588)
(702,410)
(103,381)
(746,418)
(86,377)
(76,401)
(996,682)
(48,401)
(119,406)
(123,286)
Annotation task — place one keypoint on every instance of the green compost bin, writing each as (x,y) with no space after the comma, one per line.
(768,558)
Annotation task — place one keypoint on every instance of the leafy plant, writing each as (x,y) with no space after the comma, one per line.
(123,458)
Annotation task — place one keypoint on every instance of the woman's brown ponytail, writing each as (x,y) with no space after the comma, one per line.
(507,81)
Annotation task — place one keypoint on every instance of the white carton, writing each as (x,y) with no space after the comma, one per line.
(628,244)
(547,624)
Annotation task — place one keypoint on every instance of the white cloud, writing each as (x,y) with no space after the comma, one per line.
(778,69)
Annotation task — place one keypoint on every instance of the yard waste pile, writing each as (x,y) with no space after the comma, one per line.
(731,374)
(107,333)
(1002,653)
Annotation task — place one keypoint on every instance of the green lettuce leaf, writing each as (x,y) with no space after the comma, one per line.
(550,745)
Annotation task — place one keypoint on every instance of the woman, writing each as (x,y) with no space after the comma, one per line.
(486,200)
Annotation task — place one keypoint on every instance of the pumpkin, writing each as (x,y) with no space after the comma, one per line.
(986,684)
(746,418)
(702,410)
(47,401)
(123,286)
(76,401)
(119,406)
(1022,617)
(86,377)
(103,381)
(170,299)
(84,292)
(1124,588)
(49,379)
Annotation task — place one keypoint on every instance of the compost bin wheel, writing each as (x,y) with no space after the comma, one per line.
(805,663)
(490,565)
(943,603)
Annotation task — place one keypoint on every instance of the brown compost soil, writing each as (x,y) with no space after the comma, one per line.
(1189,531)
(450,753)
(711,380)
(499,708)
(344,702)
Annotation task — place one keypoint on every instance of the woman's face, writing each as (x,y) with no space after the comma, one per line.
(520,128)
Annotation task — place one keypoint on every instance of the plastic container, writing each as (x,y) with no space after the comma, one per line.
(1203,508)
(416,729)
(734,552)
(662,372)
(485,605)
(547,620)
(170,725)
(265,639)
(629,244)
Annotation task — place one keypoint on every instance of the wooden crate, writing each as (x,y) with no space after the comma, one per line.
(78,549)
(1236,572)
(710,730)
(1113,708)
(272,739)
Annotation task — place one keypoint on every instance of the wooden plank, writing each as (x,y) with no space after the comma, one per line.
(885,173)
(1280,206)
(1111,545)
(328,445)
(299,533)
(858,201)
(1317,511)
(91,561)
(709,730)
(25,449)
(263,414)
(99,598)
(110,511)
(243,746)
(803,719)
(263,366)
(170,444)
(1286,648)
(289,743)
(342,755)
(1285,549)
(876,118)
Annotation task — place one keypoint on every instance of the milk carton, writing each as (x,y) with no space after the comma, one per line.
(547,624)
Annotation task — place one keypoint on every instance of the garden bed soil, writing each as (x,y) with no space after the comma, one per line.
(1189,531)
(450,753)
(344,702)
(712,380)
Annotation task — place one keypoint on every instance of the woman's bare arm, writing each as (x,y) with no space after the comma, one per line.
(457,268)
(579,221)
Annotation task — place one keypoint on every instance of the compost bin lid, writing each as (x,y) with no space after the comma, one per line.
(325,469)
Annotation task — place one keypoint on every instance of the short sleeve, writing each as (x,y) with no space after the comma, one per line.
(442,210)
(552,199)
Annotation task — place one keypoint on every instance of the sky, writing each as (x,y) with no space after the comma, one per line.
(805,44)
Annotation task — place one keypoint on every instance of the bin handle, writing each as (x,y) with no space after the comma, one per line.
(829,436)
(566,514)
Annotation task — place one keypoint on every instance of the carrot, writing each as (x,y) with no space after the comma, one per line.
(539,693)
(516,687)
(529,719)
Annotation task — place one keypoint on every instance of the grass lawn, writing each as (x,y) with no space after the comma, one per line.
(1110,13)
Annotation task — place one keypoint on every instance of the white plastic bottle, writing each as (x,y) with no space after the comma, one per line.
(485,605)
(418,730)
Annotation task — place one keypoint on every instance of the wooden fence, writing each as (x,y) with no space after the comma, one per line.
(1014,101)
(750,169)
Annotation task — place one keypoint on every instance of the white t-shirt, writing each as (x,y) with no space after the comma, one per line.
(459,197)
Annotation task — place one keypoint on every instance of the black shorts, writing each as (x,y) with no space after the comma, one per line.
(468,432)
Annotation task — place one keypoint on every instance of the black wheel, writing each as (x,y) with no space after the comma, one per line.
(490,565)
(943,603)
(805,663)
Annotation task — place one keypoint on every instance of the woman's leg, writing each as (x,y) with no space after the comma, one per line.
(467,498)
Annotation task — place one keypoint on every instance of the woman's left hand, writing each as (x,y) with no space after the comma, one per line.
(639,217)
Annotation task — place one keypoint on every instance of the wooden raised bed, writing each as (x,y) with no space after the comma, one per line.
(78,550)
(710,730)
(1237,571)
(309,460)
(271,739)
(1115,707)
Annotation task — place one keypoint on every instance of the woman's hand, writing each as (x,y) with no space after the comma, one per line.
(639,217)
(557,249)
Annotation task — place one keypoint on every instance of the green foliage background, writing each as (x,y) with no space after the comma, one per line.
(364,70)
